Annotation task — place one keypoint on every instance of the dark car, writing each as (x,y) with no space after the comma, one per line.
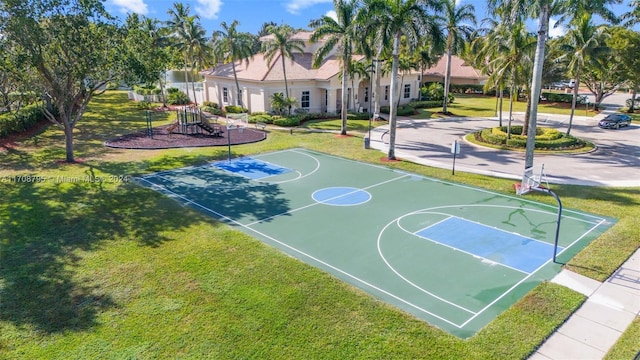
(615,121)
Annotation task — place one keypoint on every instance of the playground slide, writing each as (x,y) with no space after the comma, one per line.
(213,129)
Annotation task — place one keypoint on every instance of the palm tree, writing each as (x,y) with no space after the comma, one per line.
(178,17)
(340,34)
(233,46)
(633,16)
(543,9)
(582,42)
(284,45)
(196,46)
(512,47)
(391,20)
(458,32)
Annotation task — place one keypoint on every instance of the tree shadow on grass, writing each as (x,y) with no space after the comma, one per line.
(47,227)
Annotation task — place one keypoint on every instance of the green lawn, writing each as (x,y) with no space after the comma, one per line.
(108,269)
(485,106)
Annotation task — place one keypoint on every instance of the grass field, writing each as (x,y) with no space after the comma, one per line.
(94,266)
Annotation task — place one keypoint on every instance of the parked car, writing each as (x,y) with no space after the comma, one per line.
(615,121)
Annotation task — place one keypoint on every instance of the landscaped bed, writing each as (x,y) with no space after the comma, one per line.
(164,139)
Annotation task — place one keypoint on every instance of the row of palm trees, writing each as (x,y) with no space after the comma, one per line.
(379,29)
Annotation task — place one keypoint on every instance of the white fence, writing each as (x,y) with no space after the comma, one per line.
(199,95)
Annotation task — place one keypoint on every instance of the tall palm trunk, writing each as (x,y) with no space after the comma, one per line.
(536,82)
(193,87)
(376,92)
(501,98)
(284,73)
(235,77)
(574,100)
(511,91)
(447,80)
(186,76)
(343,109)
(392,104)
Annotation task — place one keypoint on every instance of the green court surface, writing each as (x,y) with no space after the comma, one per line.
(452,255)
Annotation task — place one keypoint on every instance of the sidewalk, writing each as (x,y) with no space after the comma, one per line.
(612,305)
(592,330)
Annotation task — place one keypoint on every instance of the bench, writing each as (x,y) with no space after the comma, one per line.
(260,125)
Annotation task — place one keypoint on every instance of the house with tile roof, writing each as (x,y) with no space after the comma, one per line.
(316,89)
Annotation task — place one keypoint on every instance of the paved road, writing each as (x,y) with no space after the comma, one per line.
(615,162)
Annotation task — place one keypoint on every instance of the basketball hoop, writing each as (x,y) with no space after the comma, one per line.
(531,180)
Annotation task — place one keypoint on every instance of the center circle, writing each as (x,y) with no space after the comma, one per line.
(341,196)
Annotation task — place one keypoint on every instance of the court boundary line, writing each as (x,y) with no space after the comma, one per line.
(357,279)
(320,203)
(318,165)
(354,191)
(302,151)
(519,198)
(433,295)
(492,227)
(527,275)
(455,248)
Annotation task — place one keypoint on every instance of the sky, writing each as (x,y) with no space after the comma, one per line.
(253,13)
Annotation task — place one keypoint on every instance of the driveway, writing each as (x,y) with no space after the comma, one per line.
(615,162)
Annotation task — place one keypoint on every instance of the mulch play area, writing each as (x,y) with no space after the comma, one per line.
(164,139)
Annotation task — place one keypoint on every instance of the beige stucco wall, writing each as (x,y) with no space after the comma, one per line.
(257,95)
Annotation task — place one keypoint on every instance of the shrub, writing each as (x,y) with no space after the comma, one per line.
(358,116)
(147,90)
(564,98)
(212,108)
(22,120)
(233,109)
(177,98)
(425,104)
(144,105)
(546,138)
(287,121)
(316,116)
(636,104)
(404,110)
(261,117)
(172,90)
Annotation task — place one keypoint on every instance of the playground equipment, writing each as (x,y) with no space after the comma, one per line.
(191,120)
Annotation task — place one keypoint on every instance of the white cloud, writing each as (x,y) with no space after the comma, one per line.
(136,6)
(294,6)
(208,9)
(332,14)
(556,31)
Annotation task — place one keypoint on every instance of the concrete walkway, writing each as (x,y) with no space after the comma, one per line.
(611,306)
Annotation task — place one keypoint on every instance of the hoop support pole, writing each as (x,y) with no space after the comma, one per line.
(550,192)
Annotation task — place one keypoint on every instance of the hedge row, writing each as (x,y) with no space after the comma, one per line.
(404,110)
(546,138)
(425,104)
(565,98)
(296,120)
(22,120)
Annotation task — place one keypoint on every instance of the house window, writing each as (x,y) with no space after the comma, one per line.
(407,91)
(225,95)
(306,100)
(386,92)
(366,94)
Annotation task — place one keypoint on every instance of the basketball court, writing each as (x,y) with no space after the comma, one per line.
(452,255)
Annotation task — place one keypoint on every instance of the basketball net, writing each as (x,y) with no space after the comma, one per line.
(532,179)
